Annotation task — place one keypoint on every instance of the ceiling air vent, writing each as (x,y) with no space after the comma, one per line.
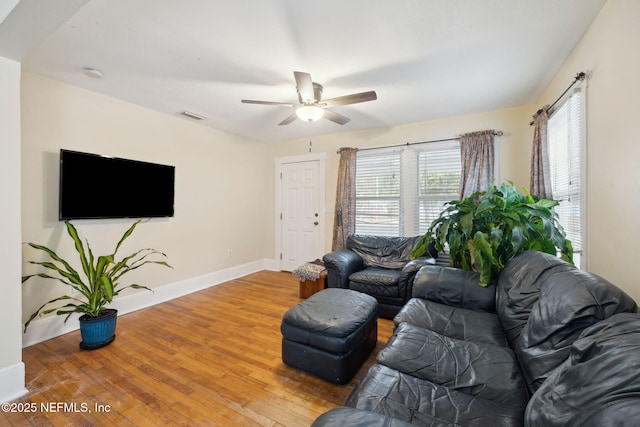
(193,115)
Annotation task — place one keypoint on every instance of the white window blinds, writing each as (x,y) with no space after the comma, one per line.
(566,157)
(378,191)
(400,191)
(439,175)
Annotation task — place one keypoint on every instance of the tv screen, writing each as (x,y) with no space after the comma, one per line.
(95,186)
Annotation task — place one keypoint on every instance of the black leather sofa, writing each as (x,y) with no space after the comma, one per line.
(378,266)
(546,345)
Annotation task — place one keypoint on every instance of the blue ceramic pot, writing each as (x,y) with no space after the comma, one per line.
(98,331)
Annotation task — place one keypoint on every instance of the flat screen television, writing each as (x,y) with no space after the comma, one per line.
(94,186)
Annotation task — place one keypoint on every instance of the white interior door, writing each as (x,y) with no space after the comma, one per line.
(301,218)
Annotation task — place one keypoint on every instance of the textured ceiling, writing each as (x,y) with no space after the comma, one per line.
(426,59)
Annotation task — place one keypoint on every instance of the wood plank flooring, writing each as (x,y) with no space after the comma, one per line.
(206,359)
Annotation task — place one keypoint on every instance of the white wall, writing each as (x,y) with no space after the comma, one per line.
(11,367)
(220,187)
(515,148)
(610,50)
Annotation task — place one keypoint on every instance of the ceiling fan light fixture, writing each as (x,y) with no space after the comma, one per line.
(309,113)
(311,106)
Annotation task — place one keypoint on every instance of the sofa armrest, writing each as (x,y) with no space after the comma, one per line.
(405,283)
(454,287)
(340,265)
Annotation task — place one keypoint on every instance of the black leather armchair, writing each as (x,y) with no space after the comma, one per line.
(378,266)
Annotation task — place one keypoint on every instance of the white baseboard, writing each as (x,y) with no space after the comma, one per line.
(53,326)
(12,382)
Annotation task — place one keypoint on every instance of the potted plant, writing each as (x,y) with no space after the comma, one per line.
(92,289)
(488,228)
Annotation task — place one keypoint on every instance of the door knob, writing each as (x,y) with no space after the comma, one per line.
(315,223)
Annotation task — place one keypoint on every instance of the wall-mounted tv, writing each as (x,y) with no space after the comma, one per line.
(94,186)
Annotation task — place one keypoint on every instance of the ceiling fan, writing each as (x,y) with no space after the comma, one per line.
(311,106)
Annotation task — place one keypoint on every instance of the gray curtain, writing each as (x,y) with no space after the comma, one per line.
(344,223)
(540,183)
(477,155)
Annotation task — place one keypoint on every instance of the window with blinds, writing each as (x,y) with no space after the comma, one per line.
(400,191)
(439,176)
(378,191)
(566,158)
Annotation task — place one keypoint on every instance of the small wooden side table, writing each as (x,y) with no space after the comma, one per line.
(310,287)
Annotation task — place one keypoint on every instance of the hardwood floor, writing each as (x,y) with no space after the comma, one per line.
(209,358)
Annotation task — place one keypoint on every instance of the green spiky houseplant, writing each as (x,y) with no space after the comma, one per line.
(99,281)
(488,228)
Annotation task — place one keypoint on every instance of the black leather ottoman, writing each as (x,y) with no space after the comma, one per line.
(330,334)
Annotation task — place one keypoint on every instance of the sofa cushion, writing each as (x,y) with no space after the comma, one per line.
(481,370)
(380,251)
(460,323)
(376,281)
(417,401)
(519,286)
(598,384)
(455,287)
(569,302)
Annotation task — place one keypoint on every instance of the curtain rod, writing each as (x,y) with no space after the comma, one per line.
(498,133)
(579,77)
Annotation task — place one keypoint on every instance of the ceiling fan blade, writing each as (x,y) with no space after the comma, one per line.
(251,101)
(335,117)
(351,99)
(288,120)
(305,87)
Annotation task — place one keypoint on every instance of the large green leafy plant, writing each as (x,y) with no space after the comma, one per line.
(100,278)
(487,229)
